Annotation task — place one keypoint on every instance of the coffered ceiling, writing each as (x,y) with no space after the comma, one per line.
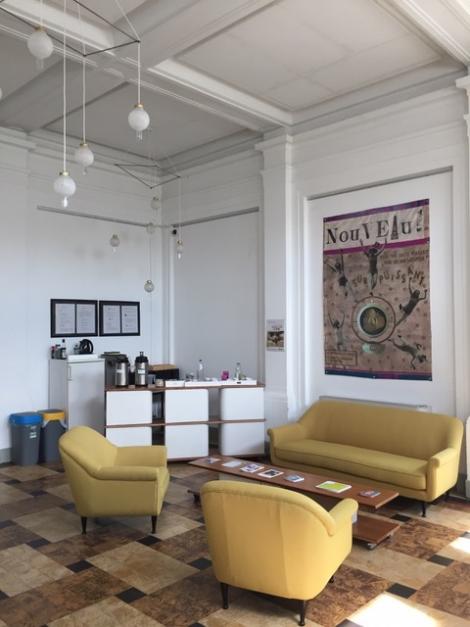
(221,71)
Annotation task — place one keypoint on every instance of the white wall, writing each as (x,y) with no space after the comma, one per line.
(45,255)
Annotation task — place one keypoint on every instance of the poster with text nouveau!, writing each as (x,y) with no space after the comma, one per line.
(376,301)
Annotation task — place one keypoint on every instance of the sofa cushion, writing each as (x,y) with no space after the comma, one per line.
(363,463)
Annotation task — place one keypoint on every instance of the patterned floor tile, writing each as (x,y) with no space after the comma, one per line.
(29,506)
(27,473)
(82,547)
(54,524)
(351,589)
(388,610)
(449,591)
(394,566)
(192,510)
(455,518)
(63,491)
(10,494)
(142,567)
(42,483)
(458,550)
(169,524)
(181,471)
(184,602)
(59,598)
(14,534)
(23,568)
(178,494)
(106,613)
(186,547)
(421,539)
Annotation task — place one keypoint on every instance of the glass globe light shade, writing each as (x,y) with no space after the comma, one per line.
(138,119)
(64,185)
(40,46)
(84,156)
(114,242)
(149,286)
(179,249)
(156,203)
(151,228)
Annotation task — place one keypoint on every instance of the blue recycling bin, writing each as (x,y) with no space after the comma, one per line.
(25,432)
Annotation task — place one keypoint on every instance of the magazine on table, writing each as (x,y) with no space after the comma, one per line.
(294,478)
(234,463)
(334,486)
(212,460)
(251,468)
(271,473)
(369,493)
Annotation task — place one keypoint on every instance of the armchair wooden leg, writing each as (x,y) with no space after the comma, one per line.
(303,609)
(84,521)
(224,589)
(423,509)
(154,524)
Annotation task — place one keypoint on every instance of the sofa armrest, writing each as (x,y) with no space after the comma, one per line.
(292,431)
(127,473)
(345,512)
(141,456)
(442,472)
(447,456)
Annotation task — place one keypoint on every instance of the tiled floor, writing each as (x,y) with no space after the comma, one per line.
(120,574)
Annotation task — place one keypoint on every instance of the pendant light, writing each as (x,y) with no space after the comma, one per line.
(83,154)
(114,242)
(156,203)
(138,118)
(64,185)
(179,241)
(40,44)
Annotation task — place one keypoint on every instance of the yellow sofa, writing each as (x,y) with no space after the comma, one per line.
(274,541)
(415,453)
(107,480)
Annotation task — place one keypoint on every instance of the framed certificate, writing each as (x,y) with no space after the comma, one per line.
(119,317)
(74,318)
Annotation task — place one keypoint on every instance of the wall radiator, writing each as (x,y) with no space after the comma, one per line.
(416,407)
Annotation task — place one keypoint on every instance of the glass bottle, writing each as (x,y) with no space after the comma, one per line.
(238,372)
(200,371)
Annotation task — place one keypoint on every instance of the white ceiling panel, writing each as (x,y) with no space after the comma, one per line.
(176,126)
(384,61)
(107,8)
(298,94)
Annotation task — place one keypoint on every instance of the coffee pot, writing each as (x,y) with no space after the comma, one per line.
(121,372)
(141,370)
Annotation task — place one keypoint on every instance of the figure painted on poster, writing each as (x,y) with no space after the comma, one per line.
(338,329)
(415,297)
(373,253)
(343,280)
(414,350)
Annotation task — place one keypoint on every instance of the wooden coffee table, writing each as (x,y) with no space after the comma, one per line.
(372,530)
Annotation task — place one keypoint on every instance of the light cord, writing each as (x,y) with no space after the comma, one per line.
(83,74)
(138,72)
(64,93)
(136,34)
(41,14)
(118,4)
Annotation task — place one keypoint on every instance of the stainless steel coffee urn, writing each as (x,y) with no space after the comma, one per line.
(141,370)
(121,372)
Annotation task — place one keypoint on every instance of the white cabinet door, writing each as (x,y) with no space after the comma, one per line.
(86,394)
(130,436)
(128,408)
(241,403)
(246,438)
(186,441)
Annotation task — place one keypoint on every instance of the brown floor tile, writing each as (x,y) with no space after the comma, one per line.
(29,506)
(185,547)
(181,471)
(59,598)
(168,525)
(93,543)
(192,510)
(54,524)
(63,491)
(11,494)
(43,483)
(421,539)
(27,473)
(449,591)
(178,494)
(351,589)
(15,534)
(106,613)
(458,550)
(455,518)
(141,567)
(184,602)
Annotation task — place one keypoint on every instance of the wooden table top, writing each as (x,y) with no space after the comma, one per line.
(309,485)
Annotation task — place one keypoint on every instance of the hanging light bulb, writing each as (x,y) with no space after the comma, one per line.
(156,203)
(64,185)
(114,242)
(151,228)
(138,118)
(40,46)
(84,156)
(179,248)
(149,286)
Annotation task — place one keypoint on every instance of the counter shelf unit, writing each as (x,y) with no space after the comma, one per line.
(185,419)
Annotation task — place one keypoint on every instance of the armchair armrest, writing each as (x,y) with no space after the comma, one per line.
(292,431)
(141,456)
(345,512)
(127,473)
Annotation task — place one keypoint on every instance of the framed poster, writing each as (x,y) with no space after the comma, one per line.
(119,317)
(73,318)
(275,335)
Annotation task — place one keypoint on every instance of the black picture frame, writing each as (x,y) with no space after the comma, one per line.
(119,317)
(72,317)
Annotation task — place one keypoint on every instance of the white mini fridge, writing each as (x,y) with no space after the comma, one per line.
(76,384)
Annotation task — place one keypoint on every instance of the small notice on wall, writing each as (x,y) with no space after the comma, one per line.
(275,335)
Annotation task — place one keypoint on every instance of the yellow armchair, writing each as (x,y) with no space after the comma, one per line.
(274,541)
(107,480)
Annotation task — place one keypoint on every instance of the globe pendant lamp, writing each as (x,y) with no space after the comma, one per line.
(64,185)
(40,46)
(149,286)
(138,118)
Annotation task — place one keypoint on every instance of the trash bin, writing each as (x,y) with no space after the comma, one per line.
(52,428)
(25,430)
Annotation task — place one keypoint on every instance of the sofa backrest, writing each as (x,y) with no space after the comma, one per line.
(382,428)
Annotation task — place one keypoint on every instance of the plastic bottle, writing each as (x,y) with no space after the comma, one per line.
(200,371)
(63,350)
(238,372)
